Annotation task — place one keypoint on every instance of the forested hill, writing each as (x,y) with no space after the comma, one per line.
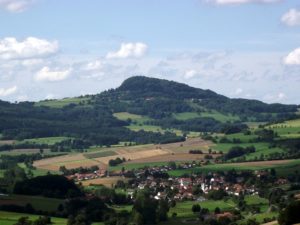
(99,119)
(146,87)
(150,94)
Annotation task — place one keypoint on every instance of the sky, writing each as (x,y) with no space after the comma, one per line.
(52,49)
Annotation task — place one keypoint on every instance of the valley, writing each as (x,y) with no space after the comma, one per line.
(177,147)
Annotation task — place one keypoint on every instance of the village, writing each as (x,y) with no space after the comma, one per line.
(192,187)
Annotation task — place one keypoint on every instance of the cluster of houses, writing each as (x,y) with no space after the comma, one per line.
(87,176)
(185,187)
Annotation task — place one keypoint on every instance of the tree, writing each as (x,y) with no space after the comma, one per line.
(146,206)
(138,218)
(23,221)
(217,210)
(80,219)
(196,208)
(42,220)
(162,210)
(290,215)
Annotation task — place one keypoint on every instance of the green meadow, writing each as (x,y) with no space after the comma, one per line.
(99,154)
(11,218)
(46,140)
(213,114)
(63,102)
(37,202)
(138,123)
(37,172)
(184,209)
(281,168)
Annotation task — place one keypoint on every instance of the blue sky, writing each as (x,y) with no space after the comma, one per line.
(63,48)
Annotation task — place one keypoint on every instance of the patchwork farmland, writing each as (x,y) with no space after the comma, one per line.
(132,154)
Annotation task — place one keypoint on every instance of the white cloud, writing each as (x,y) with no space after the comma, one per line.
(50,96)
(128,50)
(236,2)
(8,91)
(94,65)
(31,47)
(238,91)
(32,62)
(46,74)
(15,6)
(291,18)
(190,74)
(293,58)
(279,97)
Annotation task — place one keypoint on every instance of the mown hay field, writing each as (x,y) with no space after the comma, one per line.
(69,161)
(106,181)
(176,157)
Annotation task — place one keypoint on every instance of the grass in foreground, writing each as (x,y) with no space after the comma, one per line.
(37,202)
(10,218)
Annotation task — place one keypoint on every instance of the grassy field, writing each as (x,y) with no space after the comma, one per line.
(262,203)
(260,148)
(215,115)
(100,154)
(242,137)
(133,117)
(46,152)
(184,209)
(37,202)
(106,181)
(138,123)
(63,102)
(37,172)
(279,165)
(287,129)
(255,200)
(137,165)
(46,140)
(11,218)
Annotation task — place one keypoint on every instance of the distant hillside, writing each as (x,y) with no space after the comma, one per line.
(145,95)
(141,110)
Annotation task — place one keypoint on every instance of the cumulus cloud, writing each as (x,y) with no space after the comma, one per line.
(293,58)
(15,6)
(31,47)
(238,91)
(291,18)
(46,74)
(189,74)
(279,97)
(128,50)
(8,91)
(236,2)
(94,65)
